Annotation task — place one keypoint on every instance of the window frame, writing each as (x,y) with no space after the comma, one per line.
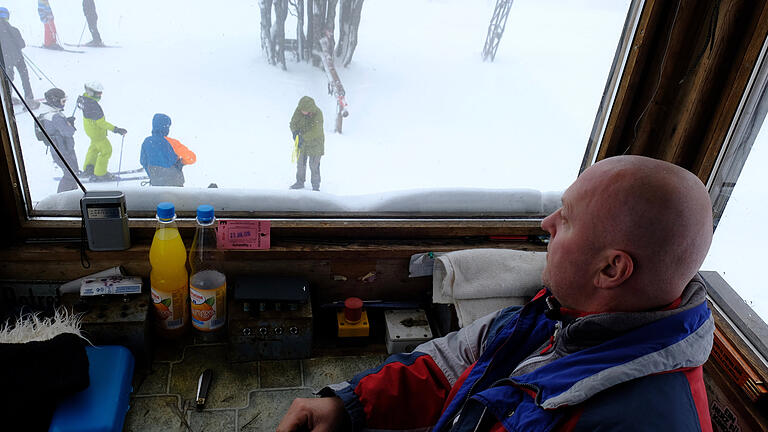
(67,224)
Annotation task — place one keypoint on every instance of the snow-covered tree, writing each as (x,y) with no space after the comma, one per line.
(320,23)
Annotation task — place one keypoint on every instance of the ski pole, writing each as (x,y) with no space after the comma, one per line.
(35,72)
(82,33)
(31,63)
(120,163)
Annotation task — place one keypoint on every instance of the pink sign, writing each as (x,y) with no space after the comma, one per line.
(243,234)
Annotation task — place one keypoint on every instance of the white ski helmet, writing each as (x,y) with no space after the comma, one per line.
(94,88)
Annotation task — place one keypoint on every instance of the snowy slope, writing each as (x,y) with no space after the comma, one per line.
(425,111)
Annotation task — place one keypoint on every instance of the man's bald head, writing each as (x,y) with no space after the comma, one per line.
(657,214)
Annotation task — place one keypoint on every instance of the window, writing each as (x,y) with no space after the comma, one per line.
(738,194)
(738,247)
(433,130)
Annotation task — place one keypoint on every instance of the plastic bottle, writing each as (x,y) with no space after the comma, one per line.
(207,285)
(168,278)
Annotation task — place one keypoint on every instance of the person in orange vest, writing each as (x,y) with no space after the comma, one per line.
(162,156)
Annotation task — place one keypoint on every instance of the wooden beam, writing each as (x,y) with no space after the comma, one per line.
(684,79)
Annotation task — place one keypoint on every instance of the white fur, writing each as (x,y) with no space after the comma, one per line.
(30,327)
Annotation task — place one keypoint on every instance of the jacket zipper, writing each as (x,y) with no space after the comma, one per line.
(555,340)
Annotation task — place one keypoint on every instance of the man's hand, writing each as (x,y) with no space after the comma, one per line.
(119,130)
(71,121)
(315,414)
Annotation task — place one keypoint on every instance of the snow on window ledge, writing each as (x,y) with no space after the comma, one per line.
(448,201)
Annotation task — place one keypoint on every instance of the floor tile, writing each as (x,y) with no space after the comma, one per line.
(319,372)
(154,414)
(280,373)
(218,421)
(231,381)
(155,381)
(170,349)
(266,409)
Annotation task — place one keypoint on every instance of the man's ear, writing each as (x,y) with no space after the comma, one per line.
(617,268)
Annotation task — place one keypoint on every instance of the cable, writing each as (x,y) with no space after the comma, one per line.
(48,137)
(83,256)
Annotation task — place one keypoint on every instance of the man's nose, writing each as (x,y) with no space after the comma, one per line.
(548,224)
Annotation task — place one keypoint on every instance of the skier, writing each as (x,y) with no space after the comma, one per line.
(89,9)
(162,156)
(61,130)
(51,38)
(96,127)
(307,125)
(12,43)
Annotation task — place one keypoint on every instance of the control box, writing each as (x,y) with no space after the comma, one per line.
(406,329)
(270,318)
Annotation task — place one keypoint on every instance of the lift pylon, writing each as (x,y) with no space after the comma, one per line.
(496,28)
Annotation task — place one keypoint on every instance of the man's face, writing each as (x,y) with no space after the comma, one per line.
(572,246)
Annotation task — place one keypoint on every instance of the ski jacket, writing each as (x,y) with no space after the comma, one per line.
(62,133)
(94,123)
(44,10)
(159,158)
(12,42)
(156,150)
(309,127)
(187,156)
(609,371)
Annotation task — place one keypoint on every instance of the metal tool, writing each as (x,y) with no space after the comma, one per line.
(202,388)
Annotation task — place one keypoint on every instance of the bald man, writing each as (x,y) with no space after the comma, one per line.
(615,340)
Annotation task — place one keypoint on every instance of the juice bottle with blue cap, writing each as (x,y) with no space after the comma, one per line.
(168,278)
(207,284)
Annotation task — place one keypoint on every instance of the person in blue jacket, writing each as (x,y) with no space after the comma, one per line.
(163,157)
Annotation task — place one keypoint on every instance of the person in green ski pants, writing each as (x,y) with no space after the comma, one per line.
(96,127)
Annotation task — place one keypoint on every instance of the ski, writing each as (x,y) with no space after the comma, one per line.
(114,180)
(92,46)
(19,107)
(130,171)
(54,49)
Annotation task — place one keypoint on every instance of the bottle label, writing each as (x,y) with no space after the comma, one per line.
(209,307)
(169,308)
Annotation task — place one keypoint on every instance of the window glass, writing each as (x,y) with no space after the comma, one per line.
(738,247)
(431,126)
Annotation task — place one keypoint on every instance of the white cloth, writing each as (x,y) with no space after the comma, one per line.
(481,281)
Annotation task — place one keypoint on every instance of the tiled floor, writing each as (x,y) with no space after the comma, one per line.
(243,397)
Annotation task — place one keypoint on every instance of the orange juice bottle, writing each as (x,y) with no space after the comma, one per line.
(168,278)
(207,284)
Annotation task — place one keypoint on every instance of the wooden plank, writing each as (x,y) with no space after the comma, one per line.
(681,89)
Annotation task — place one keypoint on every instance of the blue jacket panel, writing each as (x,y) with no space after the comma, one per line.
(156,150)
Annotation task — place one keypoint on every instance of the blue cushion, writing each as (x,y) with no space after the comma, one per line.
(103,405)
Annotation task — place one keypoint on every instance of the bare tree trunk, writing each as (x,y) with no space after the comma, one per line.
(267,45)
(318,27)
(310,29)
(344,13)
(278,33)
(300,39)
(349,23)
(330,22)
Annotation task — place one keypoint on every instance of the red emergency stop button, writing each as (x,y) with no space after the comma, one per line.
(353,309)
